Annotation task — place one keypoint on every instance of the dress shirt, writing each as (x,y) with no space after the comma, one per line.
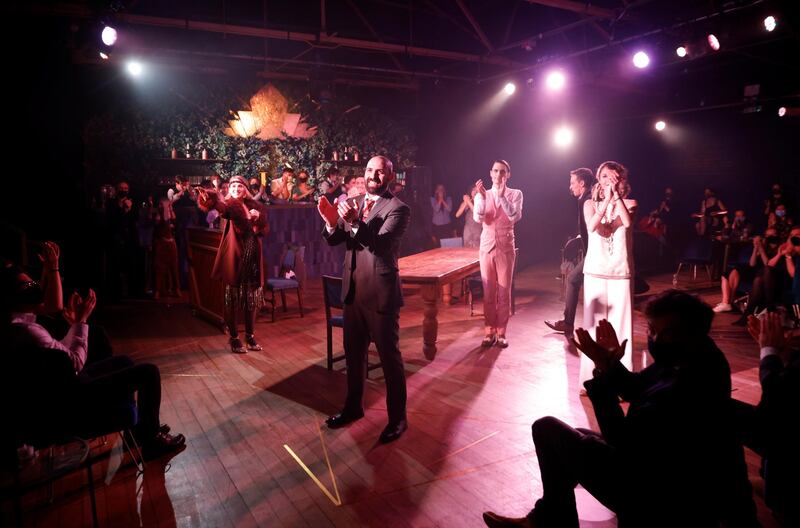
(510,202)
(75,344)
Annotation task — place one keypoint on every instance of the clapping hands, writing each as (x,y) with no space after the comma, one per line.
(605,350)
(49,256)
(77,309)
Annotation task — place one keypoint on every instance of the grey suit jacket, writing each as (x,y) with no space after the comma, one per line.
(371,277)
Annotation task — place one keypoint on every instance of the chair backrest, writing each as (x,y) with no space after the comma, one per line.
(451,242)
(332,292)
(698,249)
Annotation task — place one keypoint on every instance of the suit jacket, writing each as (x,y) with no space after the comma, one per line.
(371,276)
(676,446)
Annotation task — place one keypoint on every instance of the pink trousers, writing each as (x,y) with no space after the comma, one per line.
(497,269)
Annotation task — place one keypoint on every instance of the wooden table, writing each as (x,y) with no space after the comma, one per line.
(433,269)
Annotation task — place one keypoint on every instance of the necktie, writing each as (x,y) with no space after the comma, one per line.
(367,208)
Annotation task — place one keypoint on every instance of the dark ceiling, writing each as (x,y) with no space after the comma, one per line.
(406,43)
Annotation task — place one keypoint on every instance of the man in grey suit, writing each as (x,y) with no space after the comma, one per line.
(371,226)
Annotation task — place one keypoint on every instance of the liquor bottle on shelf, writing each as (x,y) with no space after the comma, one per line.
(174,153)
(335,156)
(204,154)
(188,153)
(347,153)
(355,155)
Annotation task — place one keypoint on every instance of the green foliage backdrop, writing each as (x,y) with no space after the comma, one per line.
(128,142)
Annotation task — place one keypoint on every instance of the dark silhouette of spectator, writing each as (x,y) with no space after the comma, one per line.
(674,459)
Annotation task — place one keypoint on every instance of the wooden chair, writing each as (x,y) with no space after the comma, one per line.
(332,293)
(291,276)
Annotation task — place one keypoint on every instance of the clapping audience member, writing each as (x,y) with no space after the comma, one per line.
(673,459)
(764,249)
(770,428)
(115,378)
(441,207)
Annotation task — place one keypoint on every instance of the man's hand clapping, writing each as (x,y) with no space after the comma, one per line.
(77,309)
(605,350)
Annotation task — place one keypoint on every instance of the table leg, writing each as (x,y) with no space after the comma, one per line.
(430,325)
(447,294)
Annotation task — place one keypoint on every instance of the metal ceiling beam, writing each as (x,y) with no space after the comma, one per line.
(372,30)
(577,7)
(474,23)
(276,34)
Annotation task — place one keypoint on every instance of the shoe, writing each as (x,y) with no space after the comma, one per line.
(393,431)
(488,341)
(723,307)
(494,520)
(250,339)
(164,428)
(742,321)
(560,327)
(343,418)
(162,444)
(236,346)
(502,342)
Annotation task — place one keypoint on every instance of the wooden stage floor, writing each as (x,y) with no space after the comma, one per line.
(468,448)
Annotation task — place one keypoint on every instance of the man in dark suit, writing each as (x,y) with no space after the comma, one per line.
(674,459)
(580,185)
(371,226)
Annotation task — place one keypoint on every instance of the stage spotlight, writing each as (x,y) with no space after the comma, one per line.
(713,42)
(641,60)
(109,36)
(510,88)
(135,68)
(781,111)
(770,23)
(660,125)
(556,80)
(681,51)
(104,55)
(563,137)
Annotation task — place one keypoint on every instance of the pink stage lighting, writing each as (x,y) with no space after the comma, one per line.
(681,51)
(641,60)
(510,88)
(109,36)
(713,42)
(770,23)
(556,81)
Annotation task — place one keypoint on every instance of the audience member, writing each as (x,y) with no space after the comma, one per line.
(281,188)
(441,206)
(471,234)
(711,209)
(302,191)
(673,459)
(780,221)
(764,249)
(770,428)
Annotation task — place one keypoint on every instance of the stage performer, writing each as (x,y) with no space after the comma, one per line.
(371,227)
(497,209)
(608,266)
(239,264)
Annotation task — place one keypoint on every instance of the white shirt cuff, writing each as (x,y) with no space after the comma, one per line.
(768,351)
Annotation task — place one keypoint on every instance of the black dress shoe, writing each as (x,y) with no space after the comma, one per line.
(343,418)
(393,431)
(561,327)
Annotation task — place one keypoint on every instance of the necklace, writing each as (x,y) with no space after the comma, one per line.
(608,240)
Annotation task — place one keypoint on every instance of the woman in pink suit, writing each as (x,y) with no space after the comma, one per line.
(497,209)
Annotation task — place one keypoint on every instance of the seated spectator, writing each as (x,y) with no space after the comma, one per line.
(331,185)
(770,428)
(738,230)
(281,188)
(772,283)
(764,249)
(780,221)
(347,188)
(302,191)
(776,198)
(674,458)
(792,264)
(258,191)
(711,209)
(112,379)
(358,187)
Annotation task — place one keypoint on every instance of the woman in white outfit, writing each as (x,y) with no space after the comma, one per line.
(608,268)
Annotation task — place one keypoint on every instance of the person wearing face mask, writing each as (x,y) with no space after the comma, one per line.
(764,249)
(303,191)
(239,263)
(740,229)
(780,221)
(776,198)
(711,209)
(497,209)
(79,399)
(258,191)
(770,279)
(674,458)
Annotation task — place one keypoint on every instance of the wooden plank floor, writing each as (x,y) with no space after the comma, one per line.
(468,448)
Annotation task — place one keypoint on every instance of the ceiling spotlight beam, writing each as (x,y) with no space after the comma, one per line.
(577,7)
(474,23)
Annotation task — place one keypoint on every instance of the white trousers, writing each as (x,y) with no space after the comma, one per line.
(607,299)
